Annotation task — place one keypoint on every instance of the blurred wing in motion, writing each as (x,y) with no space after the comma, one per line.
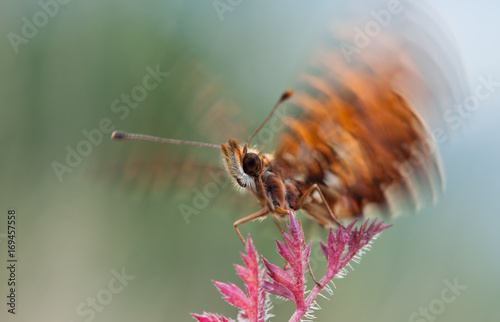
(201,112)
(362,137)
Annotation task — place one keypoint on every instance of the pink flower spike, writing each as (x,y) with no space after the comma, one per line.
(233,295)
(290,283)
(252,303)
(352,239)
(360,237)
(341,246)
(296,255)
(278,275)
(278,290)
(209,317)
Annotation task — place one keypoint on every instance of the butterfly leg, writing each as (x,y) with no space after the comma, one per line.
(260,213)
(301,200)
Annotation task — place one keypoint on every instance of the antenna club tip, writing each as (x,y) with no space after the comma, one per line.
(287,94)
(117,135)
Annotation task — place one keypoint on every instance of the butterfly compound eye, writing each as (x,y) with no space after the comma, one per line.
(252,164)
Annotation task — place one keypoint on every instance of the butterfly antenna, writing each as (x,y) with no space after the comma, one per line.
(117,135)
(286,95)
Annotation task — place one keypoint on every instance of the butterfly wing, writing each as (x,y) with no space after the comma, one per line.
(361,136)
(149,170)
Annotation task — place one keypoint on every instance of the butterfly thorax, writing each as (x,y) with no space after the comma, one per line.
(257,173)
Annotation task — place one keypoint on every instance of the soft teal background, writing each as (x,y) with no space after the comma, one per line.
(107,215)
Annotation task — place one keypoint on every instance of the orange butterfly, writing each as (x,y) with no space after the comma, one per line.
(360,143)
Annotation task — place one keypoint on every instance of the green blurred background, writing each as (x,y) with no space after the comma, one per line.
(119,207)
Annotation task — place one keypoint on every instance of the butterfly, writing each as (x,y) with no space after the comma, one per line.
(361,143)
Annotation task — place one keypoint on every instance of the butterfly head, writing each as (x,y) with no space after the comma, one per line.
(244,165)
